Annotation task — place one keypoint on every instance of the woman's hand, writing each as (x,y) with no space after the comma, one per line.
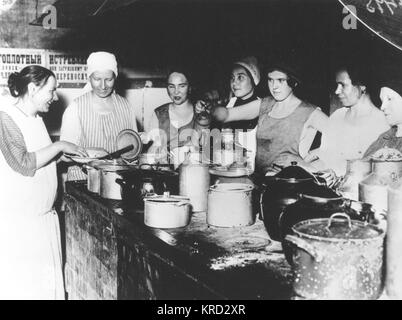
(68,147)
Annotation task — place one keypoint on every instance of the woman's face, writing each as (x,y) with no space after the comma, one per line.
(391,106)
(278,85)
(102,83)
(178,88)
(240,83)
(347,93)
(43,97)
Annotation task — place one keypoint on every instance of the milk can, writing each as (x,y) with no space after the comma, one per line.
(393,256)
(356,171)
(374,188)
(194,183)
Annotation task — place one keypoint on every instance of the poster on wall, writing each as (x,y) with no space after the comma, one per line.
(13,60)
(70,68)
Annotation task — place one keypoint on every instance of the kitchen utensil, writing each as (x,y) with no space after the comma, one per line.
(93,174)
(136,184)
(230,205)
(337,259)
(127,138)
(109,173)
(117,153)
(166,211)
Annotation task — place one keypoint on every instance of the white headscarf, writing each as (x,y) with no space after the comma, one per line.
(101,61)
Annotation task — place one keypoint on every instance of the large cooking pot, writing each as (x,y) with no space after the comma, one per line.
(94,175)
(321,202)
(137,184)
(337,259)
(109,173)
(281,190)
(374,188)
(230,205)
(166,211)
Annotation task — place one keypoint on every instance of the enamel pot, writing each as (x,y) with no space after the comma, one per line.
(166,211)
(337,258)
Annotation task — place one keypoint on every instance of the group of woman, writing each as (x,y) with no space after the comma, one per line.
(275,130)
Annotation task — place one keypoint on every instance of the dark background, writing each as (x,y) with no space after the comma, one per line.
(208,35)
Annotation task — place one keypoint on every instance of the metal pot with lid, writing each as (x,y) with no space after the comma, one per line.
(282,190)
(337,259)
(167,211)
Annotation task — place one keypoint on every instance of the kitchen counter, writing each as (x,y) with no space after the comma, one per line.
(111,254)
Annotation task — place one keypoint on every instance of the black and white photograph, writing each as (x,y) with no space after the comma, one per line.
(201,154)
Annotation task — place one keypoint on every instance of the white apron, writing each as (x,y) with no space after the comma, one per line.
(30,249)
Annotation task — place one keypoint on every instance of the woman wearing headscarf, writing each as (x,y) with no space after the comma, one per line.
(244,79)
(30,250)
(286,125)
(391,98)
(353,127)
(95,119)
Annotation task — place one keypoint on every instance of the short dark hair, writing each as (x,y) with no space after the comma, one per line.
(292,80)
(357,74)
(18,81)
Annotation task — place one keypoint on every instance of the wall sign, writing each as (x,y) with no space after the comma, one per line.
(13,60)
(70,68)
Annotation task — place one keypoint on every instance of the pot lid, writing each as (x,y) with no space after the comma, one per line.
(294,172)
(114,167)
(167,198)
(230,171)
(231,187)
(337,229)
(129,137)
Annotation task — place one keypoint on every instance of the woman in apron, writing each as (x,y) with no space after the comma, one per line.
(94,119)
(30,251)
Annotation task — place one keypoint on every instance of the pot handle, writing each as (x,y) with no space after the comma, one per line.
(305,246)
(261,206)
(338,214)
